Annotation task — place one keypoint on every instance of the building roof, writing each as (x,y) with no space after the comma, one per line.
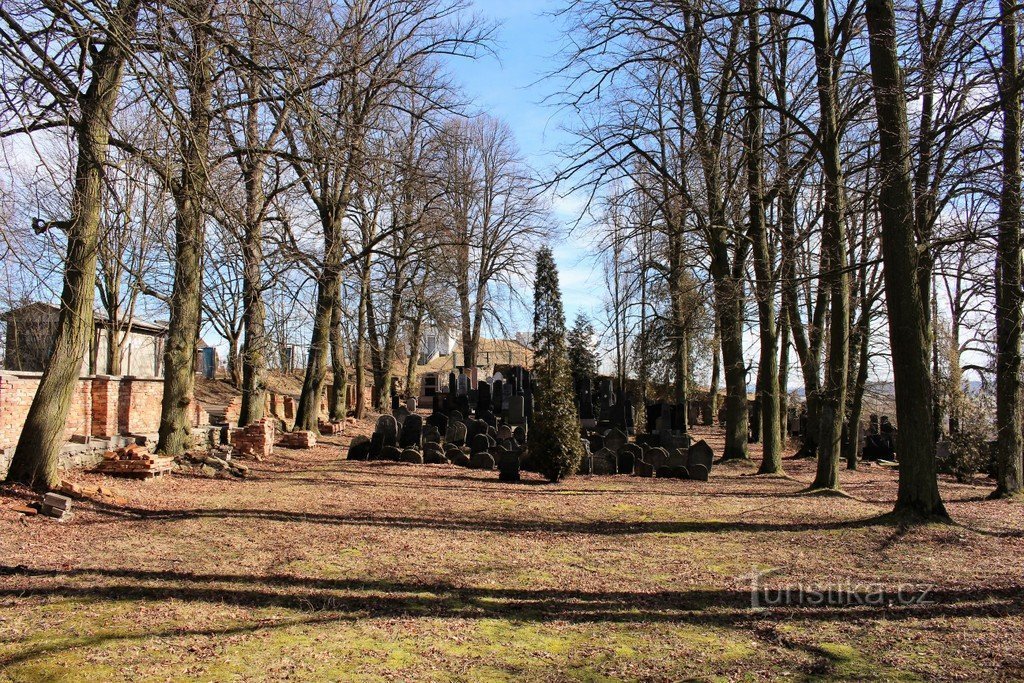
(489,352)
(100,317)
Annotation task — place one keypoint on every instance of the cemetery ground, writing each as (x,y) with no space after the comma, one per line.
(314,568)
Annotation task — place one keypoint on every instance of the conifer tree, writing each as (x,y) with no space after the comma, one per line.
(583,360)
(554,433)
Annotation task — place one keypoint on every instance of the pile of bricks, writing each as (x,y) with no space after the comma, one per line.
(300,439)
(134,461)
(56,506)
(331,427)
(255,440)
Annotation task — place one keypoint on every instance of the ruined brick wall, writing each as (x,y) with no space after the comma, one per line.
(100,406)
(16,392)
(139,405)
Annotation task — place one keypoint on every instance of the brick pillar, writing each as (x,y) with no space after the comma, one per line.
(105,406)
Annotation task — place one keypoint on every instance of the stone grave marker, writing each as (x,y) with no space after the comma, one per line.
(412,432)
(359,448)
(412,456)
(701,454)
(456,433)
(388,426)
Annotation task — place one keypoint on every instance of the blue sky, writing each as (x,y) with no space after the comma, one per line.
(512,87)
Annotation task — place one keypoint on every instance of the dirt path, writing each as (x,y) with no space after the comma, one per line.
(316,568)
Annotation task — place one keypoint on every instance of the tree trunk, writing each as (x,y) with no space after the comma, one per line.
(918,494)
(234,363)
(360,360)
(833,394)
(680,352)
(716,370)
(35,459)
(1010,477)
(189,195)
(307,415)
(254,348)
(764,286)
(338,406)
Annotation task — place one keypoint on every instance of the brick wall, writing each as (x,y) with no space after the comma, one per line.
(100,406)
(139,402)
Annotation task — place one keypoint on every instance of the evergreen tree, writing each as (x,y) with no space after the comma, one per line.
(583,360)
(554,433)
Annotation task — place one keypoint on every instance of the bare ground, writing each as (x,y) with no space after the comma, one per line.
(319,569)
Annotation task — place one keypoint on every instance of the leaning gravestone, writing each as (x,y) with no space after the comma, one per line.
(359,449)
(519,434)
(388,426)
(439,420)
(656,457)
(615,439)
(456,433)
(391,453)
(457,457)
(433,454)
(701,454)
(412,432)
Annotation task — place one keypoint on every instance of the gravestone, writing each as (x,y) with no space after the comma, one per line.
(395,402)
(412,456)
(456,416)
(359,448)
(391,453)
(596,442)
(504,433)
(586,465)
(376,446)
(701,454)
(605,462)
(453,384)
(457,457)
(481,461)
(456,433)
(517,410)
(643,469)
(656,457)
(388,426)
(433,454)
(463,386)
(498,394)
(438,420)
(483,397)
(628,456)
(400,414)
(480,443)
(672,472)
(411,404)
(412,432)
(431,433)
(615,439)
(698,472)
(488,417)
(519,435)
(508,465)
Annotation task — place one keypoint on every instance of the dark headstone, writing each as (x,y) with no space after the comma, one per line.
(672,472)
(519,434)
(391,453)
(388,426)
(605,462)
(483,397)
(498,395)
(482,460)
(700,453)
(628,456)
(412,456)
(457,457)
(456,433)
(359,449)
(508,466)
(480,443)
(376,446)
(656,457)
(412,432)
(698,472)
(643,469)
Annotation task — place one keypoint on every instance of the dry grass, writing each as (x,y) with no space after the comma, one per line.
(319,569)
